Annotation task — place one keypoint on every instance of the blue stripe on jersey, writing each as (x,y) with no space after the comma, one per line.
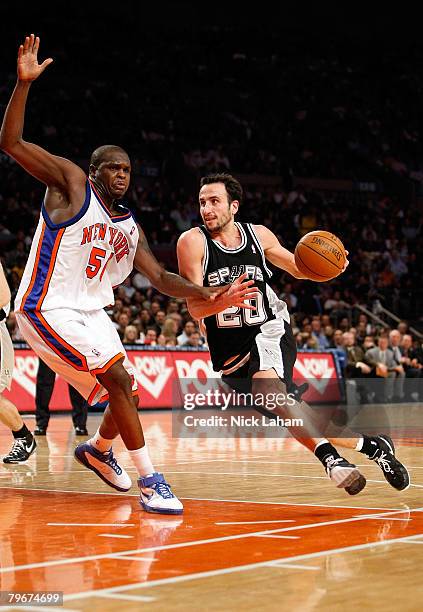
(46,251)
(54,344)
(77,217)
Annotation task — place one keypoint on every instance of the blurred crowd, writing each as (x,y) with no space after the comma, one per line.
(256,105)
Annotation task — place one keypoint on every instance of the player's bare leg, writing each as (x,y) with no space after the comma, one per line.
(344,474)
(24,443)
(121,418)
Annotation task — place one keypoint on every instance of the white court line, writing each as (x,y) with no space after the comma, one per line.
(43,608)
(234,501)
(407,542)
(131,558)
(114,535)
(222,459)
(91,524)
(237,568)
(382,518)
(250,460)
(127,597)
(417,486)
(72,491)
(267,475)
(249,501)
(254,522)
(284,565)
(242,474)
(70,560)
(277,536)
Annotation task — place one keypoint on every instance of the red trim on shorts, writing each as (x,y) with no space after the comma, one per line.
(93,393)
(59,340)
(105,397)
(108,365)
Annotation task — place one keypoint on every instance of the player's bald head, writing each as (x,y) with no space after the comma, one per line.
(107,153)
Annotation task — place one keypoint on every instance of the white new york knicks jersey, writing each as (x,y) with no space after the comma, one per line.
(76,264)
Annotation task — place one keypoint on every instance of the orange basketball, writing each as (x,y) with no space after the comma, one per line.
(320,256)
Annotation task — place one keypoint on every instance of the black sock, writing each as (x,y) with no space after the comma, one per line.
(22,433)
(325,451)
(370,446)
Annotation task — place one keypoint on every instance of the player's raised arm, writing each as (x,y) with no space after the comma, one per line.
(56,172)
(190,251)
(167,282)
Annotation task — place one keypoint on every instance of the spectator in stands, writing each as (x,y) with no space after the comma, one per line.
(382,362)
(150,336)
(289,297)
(159,320)
(122,323)
(169,328)
(194,340)
(355,367)
(311,344)
(189,328)
(402,327)
(316,331)
(368,343)
(131,335)
(412,363)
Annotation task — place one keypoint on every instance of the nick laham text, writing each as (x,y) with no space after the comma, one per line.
(240,421)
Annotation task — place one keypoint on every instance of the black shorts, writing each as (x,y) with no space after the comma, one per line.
(284,352)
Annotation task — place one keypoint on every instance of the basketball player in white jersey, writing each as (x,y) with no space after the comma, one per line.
(24,443)
(255,351)
(86,243)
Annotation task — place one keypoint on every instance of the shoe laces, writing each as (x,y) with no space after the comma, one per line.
(112,462)
(163,489)
(332,462)
(18,445)
(383,462)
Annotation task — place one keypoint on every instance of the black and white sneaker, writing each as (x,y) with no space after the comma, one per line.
(345,475)
(394,471)
(21,450)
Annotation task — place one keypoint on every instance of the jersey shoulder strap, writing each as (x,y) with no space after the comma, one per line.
(206,237)
(257,242)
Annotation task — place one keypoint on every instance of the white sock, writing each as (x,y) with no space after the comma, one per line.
(101,444)
(141,460)
(359,444)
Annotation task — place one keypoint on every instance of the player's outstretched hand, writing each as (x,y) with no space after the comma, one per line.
(346,262)
(28,67)
(233,295)
(240,291)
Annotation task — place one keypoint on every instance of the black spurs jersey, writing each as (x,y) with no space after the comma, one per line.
(232,332)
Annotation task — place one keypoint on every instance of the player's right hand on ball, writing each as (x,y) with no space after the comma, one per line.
(240,291)
(28,67)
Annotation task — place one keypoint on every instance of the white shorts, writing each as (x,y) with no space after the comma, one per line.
(77,346)
(6,358)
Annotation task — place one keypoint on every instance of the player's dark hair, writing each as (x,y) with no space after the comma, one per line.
(232,185)
(98,155)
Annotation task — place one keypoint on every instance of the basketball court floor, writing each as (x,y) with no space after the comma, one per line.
(263,528)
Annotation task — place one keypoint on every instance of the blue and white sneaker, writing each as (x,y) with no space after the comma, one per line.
(156,495)
(104,465)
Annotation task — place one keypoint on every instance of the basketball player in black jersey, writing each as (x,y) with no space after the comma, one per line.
(251,343)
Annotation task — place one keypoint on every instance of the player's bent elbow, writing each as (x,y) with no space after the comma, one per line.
(7,144)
